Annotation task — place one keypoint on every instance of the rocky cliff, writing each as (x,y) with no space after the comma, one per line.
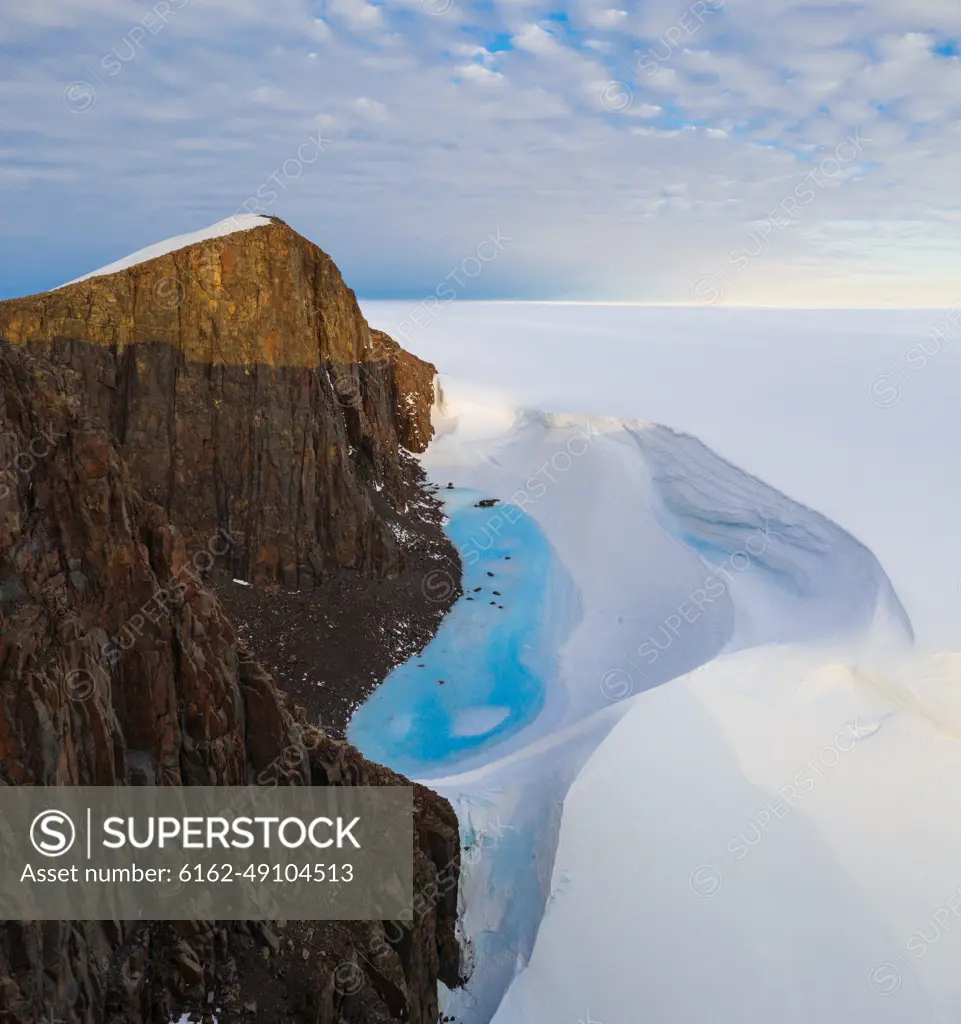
(247,395)
(222,407)
(82,553)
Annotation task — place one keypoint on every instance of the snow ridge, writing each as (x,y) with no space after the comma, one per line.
(239,222)
(678,560)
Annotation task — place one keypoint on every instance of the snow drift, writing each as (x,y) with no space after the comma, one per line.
(671,564)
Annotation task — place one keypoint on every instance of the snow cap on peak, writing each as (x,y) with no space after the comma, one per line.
(238,222)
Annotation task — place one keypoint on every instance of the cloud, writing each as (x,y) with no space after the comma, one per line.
(357,15)
(610,17)
(567,123)
(370,110)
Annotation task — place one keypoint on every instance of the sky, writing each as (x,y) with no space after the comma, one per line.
(720,152)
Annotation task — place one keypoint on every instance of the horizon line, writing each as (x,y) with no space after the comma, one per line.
(672,305)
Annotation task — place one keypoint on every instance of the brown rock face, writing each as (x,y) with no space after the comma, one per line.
(412,390)
(81,554)
(248,395)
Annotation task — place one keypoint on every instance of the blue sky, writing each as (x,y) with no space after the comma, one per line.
(774,152)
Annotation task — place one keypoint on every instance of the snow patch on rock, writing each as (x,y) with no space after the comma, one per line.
(239,222)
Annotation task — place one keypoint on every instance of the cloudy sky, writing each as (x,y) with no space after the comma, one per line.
(744,152)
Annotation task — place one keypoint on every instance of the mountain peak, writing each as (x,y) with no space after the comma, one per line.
(231,225)
(246,290)
(242,381)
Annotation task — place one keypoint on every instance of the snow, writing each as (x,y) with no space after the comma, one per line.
(773,860)
(738,801)
(785,395)
(239,222)
(672,557)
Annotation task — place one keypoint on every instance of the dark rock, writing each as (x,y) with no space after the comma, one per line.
(273,943)
(187,967)
(181,703)
(249,397)
(336,628)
